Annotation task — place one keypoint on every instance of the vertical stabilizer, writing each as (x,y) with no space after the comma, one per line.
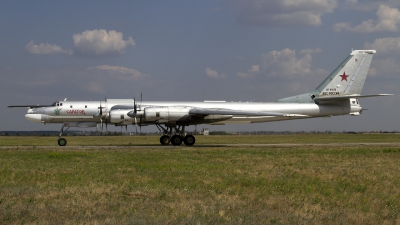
(347,79)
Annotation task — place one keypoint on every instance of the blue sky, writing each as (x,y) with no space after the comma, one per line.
(234,50)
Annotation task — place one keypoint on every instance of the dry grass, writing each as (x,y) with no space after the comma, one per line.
(199,185)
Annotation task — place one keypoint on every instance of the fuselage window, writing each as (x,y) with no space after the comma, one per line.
(157,114)
(354,102)
(85,106)
(60,104)
(122,117)
(57,104)
(70,106)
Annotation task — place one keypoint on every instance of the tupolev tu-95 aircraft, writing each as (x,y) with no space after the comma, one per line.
(338,94)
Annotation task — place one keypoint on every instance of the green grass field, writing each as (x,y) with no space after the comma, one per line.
(200,139)
(201,185)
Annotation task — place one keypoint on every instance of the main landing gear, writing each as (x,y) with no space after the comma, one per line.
(178,137)
(62,141)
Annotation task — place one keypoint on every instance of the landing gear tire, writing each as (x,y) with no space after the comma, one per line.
(62,142)
(164,140)
(189,140)
(176,140)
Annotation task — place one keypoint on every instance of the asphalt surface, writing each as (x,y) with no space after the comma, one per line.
(205,145)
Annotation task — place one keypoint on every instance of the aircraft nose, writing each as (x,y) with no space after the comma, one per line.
(34,117)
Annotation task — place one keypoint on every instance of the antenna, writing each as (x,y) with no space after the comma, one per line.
(65,99)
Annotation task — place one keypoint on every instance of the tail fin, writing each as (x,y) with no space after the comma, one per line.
(347,79)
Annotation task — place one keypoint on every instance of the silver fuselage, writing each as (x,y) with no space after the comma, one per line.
(88,111)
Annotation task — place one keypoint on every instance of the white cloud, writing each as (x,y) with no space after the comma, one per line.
(214,74)
(311,51)
(120,72)
(368,5)
(97,43)
(384,68)
(388,19)
(284,64)
(341,26)
(44,49)
(250,72)
(254,68)
(282,12)
(384,45)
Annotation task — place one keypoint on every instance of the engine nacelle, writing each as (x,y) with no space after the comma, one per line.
(120,116)
(166,114)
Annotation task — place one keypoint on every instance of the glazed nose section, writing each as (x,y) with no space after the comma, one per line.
(34,117)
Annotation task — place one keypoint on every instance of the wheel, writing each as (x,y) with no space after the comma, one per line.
(176,140)
(62,142)
(189,140)
(164,140)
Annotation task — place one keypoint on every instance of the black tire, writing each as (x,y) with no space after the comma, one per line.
(176,140)
(164,140)
(189,140)
(62,142)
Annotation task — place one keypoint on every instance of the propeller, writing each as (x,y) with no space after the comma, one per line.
(100,116)
(105,100)
(135,125)
(135,111)
(140,122)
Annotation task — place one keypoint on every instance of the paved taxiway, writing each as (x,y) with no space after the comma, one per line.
(205,145)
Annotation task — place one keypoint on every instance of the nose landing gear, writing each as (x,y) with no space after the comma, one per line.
(62,141)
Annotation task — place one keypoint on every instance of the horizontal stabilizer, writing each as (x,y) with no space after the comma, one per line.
(198,111)
(338,98)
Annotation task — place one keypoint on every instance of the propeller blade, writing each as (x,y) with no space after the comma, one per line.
(135,125)
(140,124)
(134,106)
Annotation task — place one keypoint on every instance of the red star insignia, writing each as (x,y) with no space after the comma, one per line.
(344,76)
